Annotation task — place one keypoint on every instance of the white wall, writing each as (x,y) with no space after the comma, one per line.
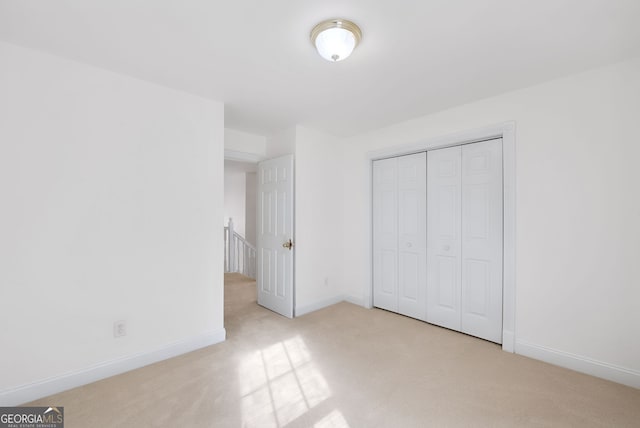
(111,209)
(318,220)
(235,198)
(282,143)
(578,212)
(238,145)
(250,208)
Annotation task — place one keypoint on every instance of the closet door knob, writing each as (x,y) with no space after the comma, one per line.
(446,247)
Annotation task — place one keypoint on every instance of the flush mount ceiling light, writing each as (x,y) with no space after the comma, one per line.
(335,39)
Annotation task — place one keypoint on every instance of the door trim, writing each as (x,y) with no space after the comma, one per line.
(506,131)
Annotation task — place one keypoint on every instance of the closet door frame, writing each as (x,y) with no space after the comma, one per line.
(506,131)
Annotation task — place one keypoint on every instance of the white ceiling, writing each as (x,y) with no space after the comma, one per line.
(416,57)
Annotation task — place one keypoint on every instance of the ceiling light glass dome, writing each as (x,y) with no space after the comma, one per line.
(335,39)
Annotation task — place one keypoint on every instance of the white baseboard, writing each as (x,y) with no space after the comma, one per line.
(356,301)
(303,310)
(579,363)
(53,385)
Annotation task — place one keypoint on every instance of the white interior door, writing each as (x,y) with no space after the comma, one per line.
(412,235)
(443,237)
(399,235)
(275,235)
(385,234)
(464,238)
(482,240)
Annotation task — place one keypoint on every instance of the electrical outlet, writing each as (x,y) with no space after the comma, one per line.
(119,328)
(326,281)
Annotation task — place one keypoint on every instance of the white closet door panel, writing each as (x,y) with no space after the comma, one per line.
(444,237)
(385,234)
(482,240)
(412,235)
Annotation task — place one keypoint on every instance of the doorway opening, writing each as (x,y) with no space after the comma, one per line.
(261,195)
(240,217)
(240,220)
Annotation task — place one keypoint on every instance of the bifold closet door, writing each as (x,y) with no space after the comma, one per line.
(482,242)
(444,242)
(385,234)
(464,238)
(399,234)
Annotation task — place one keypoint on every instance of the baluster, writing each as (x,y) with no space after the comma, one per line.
(232,247)
(226,250)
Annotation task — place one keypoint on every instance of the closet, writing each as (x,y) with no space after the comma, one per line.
(437,237)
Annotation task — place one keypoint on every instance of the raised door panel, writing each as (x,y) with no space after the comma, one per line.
(482,240)
(385,234)
(412,235)
(266,254)
(444,237)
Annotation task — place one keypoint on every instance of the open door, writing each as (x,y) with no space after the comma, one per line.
(275,235)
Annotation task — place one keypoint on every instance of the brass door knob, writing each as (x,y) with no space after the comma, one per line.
(288,244)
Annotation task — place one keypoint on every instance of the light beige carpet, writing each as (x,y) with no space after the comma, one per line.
(345,366)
